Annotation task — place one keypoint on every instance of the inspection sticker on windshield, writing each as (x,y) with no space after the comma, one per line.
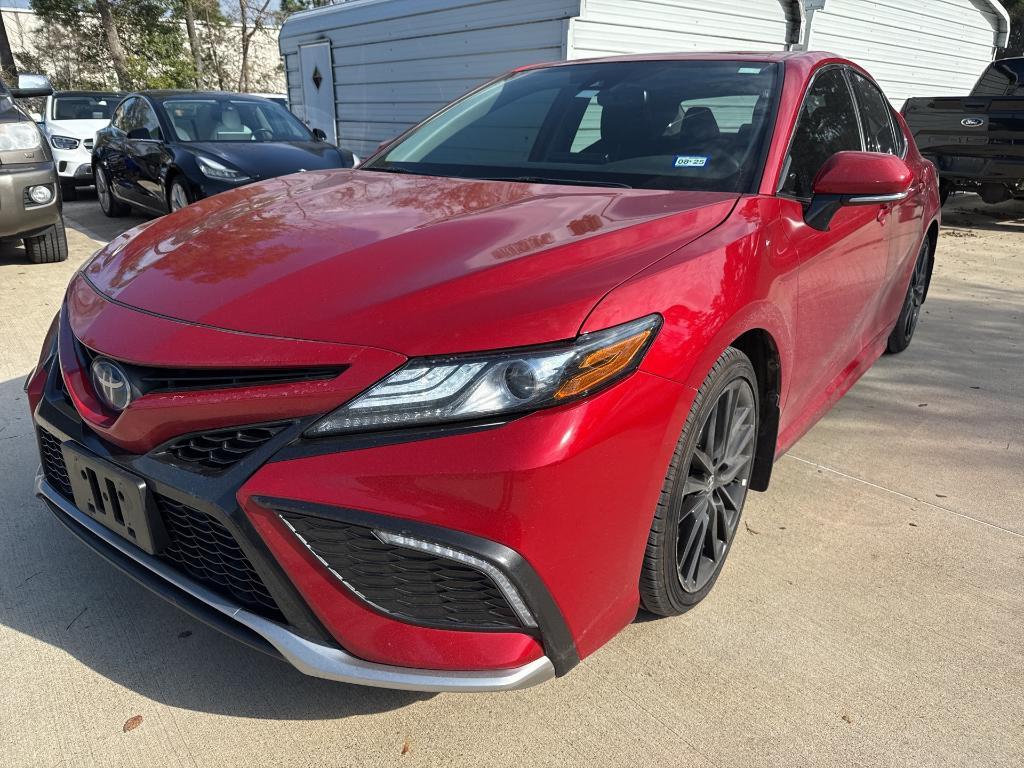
(691,161)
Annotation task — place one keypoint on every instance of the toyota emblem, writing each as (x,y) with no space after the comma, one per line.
(111,384)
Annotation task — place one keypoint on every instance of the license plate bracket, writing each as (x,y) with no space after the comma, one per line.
(114,498)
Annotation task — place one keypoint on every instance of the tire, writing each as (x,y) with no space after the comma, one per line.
(178,195)
(49,247)
(109,204)
(693,497)
(68,191)
(945,190)
(910,312)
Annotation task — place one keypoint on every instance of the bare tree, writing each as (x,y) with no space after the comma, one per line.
(252,16)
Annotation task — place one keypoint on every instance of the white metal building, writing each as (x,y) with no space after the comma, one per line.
(365,70)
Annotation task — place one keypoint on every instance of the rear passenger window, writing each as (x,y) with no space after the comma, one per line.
(827,125)
(875,116)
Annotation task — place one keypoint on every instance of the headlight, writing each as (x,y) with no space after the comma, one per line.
(214,170)
(466,387)
(64,142)
(18,136)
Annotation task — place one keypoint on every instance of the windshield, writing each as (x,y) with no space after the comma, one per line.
(197,119)
(84,106)
(696,125)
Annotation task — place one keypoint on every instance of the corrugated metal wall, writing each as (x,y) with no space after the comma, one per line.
(920,48)
(609,27)
(396,61)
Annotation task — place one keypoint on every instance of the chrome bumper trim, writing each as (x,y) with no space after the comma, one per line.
(311,658)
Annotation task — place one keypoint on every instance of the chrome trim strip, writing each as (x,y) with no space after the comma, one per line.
(311,658)
(869,199)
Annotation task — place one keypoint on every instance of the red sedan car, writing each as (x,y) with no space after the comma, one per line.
(446,421)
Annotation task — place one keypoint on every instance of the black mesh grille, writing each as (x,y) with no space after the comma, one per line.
(54,468)
(197,543)
(415,586)
(205,550)
(218,450)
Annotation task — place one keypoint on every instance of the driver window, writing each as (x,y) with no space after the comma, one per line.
(122,115)
(827,125)
(147,119)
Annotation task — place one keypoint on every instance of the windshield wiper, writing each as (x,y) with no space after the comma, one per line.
(552,180)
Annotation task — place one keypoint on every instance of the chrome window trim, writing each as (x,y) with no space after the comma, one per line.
(792,133)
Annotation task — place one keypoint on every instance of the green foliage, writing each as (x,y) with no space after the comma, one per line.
(75,55)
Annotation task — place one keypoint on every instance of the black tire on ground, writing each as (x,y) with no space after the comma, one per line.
(917,291)
(698,480)
(109,204)
(68,191)
(945,190)
(49,247)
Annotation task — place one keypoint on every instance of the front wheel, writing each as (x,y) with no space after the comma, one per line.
(703,495)
(179,195)
(109,204)
(910,313)
(49,247)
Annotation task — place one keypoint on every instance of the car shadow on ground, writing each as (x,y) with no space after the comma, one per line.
(54,589)
(969,212)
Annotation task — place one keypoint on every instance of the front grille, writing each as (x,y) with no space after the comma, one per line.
(218,450)
(54,468)
(410,585)
(207,551)
(197,543)
(147,379)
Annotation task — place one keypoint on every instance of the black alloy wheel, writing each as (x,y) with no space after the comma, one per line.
(910,313)
(703,496)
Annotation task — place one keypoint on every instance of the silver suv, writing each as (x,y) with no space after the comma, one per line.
(30,202)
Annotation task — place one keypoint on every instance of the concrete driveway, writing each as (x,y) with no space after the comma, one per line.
(872,612)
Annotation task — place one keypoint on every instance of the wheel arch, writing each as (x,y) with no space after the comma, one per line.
(763,351)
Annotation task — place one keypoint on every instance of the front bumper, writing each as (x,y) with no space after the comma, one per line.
(559,501)
(308,657)
(73,165)
(17,219)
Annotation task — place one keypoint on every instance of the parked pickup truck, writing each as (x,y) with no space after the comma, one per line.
(976,141)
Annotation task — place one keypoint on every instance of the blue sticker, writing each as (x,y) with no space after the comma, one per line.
(691,161)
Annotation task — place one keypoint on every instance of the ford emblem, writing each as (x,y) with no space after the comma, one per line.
(111,384)
(972,122)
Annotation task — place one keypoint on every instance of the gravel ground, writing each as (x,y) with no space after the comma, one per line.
(871,612)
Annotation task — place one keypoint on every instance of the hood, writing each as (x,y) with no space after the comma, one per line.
(76,129)
(418,265)
(267,159)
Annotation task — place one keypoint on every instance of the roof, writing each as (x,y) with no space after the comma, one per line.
(97,92)
(160,95)
(808,58)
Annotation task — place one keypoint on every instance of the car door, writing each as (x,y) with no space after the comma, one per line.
(146,149)
(841,270)
(883,133)
(111,153)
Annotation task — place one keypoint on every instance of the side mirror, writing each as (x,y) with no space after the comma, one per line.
(856,178)
(319,134)
(30,86)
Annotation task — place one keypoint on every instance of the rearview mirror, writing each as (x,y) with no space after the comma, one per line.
(856,178)
(30,86)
